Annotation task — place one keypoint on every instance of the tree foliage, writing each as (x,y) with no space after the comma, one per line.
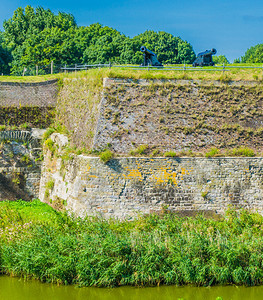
(38,36)
(169,49)
(220,59)
(253,54)
(5,57)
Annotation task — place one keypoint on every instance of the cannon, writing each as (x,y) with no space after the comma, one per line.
(205,58)
(149,58)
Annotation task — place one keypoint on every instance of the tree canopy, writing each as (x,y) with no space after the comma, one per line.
(5,57)
(220,59)
(38,36)
(253,55)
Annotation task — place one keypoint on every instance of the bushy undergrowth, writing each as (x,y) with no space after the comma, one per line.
(106,155)
(36,241)
(170,154)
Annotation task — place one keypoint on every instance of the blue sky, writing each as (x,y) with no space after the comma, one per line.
(229,26)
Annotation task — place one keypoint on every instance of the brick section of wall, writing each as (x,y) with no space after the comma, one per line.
(40,94)
(124,187)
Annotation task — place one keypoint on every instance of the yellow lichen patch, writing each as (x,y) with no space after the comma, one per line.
(134,174)
(93,176)
(184,171)
(164,176)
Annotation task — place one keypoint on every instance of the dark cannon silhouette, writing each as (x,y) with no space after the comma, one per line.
(150,58)
(205,58)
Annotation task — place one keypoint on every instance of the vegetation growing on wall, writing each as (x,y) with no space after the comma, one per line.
(25,117)
(78,107)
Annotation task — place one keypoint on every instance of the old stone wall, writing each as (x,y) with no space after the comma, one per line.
(40,94)
(124,187)
(179,115)
(20,166)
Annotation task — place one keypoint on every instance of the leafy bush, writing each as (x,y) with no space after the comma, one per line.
(48,133)
(156,152)
(50,184)
(253,55)
(106,155)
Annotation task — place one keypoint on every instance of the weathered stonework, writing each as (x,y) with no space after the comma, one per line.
(20,167)
(40,94)
(124,187)
(179,115)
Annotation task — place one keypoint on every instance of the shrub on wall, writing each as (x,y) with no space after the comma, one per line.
(106,155)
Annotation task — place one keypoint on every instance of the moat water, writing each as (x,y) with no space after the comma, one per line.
(18,289)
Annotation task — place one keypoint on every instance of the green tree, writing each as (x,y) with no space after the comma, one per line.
(169,49)
(220,59)
(105,44)
(5,57)
(253,55)
(35,36)
(38,36)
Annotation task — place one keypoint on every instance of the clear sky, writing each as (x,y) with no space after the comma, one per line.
(230,26)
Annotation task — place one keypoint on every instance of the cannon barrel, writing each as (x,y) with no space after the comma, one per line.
(146,51)
(205,58)
(207,52)
(150,58)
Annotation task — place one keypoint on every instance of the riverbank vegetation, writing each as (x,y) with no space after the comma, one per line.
(39,242)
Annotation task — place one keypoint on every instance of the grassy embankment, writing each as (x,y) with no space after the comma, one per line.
(235,74)
(38,242)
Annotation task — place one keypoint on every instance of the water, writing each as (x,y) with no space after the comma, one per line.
(18,289)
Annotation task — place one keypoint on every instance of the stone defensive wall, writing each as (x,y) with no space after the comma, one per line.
(166,115)
(179,115)
(170,115)
(39,94)
(124,187)
(20,166)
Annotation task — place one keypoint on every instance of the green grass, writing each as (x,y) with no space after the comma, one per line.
(26,79)
(140,150)
(241,152)
(232,74)
(39,242)
(212,152)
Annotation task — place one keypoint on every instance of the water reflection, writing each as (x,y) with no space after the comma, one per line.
(18,289)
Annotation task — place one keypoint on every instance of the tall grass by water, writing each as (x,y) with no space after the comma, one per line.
(39,242)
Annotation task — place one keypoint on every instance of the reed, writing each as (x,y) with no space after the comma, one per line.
(39,242)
